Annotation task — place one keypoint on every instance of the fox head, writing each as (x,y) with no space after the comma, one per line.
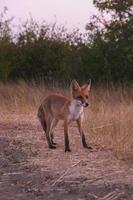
(81,93)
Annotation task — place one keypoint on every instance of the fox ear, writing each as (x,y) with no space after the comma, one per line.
(74,85)
(89,84)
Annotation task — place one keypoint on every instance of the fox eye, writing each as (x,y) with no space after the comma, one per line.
(86,97)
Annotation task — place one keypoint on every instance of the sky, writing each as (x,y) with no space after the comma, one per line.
(71,13)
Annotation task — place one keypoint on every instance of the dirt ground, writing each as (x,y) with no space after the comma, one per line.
(29,170)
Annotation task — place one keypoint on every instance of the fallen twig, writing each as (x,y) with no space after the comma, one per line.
(93,196)
(100,127)
(64,174)
(110,196)
(96,179)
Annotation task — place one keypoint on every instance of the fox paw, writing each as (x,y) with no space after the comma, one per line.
(53,143)
(52,147)
(87,146)
(68,149)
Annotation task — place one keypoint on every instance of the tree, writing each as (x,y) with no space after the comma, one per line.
(5,45)
(114,27)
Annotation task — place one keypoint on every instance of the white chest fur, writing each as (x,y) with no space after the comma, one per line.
(75,110)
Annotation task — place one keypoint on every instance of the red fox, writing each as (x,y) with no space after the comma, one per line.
(57,107)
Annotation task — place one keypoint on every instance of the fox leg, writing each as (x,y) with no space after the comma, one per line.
(79,123)
(48,130)
(53,125)
(45,122)
(52,138)
(66,138)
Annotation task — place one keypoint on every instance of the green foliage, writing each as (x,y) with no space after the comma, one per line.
(49,52)
(114,39)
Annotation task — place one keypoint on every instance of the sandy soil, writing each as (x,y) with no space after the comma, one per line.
(29,170)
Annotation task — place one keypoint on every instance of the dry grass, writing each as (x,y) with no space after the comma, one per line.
(23,97)
(109,120)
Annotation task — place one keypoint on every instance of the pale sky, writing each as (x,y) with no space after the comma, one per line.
(72,13)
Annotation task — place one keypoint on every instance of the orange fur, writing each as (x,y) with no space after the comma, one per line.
(57,107)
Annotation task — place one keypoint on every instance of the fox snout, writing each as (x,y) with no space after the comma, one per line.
(86,104)
(82,102)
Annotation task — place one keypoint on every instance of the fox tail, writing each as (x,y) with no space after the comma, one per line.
(42,118)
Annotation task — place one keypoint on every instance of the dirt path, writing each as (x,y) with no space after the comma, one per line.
(29,170)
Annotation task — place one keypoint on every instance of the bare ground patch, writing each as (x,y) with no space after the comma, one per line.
(29,170)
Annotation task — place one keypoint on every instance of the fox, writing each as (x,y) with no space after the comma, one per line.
(56,107)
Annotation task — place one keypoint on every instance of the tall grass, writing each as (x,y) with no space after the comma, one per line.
(108,120)
(24,97)
(20,97)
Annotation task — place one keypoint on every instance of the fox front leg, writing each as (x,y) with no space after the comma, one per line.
(79,123)
(66,138)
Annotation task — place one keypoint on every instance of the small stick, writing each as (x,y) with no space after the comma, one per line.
(113,197)
(66,172)
(93,196)
(96,179)
(103,126)
(110,196)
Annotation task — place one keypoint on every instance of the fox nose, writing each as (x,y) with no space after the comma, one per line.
(86,104)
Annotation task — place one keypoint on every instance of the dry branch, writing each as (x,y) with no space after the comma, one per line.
(100,127)
(110,196)
(93,196)
(66,172)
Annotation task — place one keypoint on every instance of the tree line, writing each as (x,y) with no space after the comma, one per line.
(52,53)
